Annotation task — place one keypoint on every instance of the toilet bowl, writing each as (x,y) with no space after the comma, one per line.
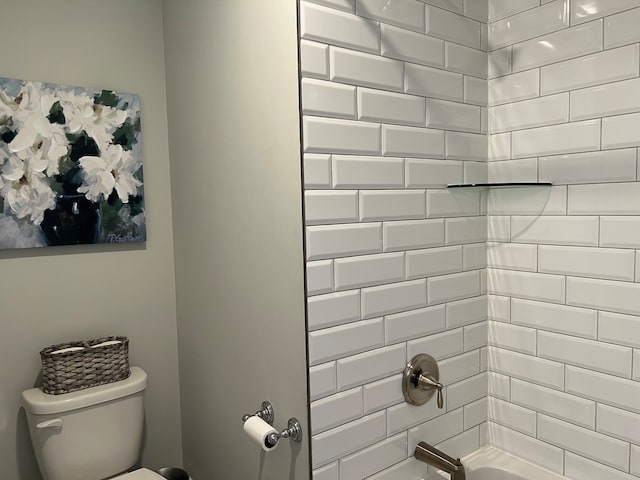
(90,434)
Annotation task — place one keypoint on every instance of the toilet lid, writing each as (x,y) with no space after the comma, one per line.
(141,474)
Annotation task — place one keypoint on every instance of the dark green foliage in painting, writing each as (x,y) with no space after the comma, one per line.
(82,145)
(137,205)
(109,217)
(7,136)
(125,134)
(107,98)
(56,114)
(71,180)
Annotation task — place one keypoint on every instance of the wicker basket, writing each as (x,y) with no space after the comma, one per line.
(74,370)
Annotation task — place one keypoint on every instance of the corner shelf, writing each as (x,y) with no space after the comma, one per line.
(502,184)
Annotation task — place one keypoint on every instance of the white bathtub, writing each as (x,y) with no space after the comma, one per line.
(489,463)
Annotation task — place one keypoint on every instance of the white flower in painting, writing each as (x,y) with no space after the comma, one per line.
(26,191)
(16,233)
(8,106)
(115,169)
(4,156)
(45,155)
(99,121)
(4,153)
(37,137)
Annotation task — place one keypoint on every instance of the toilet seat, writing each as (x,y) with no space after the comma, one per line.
(141,474)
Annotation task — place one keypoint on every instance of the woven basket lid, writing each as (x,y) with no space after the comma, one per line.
(39,403)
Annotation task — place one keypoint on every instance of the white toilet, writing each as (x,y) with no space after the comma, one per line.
(90,434)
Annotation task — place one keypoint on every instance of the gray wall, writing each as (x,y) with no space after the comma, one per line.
(234,133)
(57,294)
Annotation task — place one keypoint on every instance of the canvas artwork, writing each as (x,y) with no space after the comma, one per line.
(70,166)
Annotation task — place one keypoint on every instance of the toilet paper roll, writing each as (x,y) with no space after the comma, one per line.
(259,431)
(106,344)
(68,349)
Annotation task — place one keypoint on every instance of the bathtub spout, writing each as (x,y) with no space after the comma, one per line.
(431,455)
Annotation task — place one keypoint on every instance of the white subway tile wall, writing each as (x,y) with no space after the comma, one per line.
(564,329)
(394,97)
(401,98)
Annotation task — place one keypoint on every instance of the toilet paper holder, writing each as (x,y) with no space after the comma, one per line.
(293,430)
(265,414)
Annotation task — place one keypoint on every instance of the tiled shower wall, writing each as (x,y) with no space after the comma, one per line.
(564,330)
(394,97)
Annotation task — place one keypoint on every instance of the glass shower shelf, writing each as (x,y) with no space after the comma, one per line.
(499,184)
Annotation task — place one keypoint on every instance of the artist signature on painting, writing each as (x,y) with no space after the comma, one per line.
(118,238)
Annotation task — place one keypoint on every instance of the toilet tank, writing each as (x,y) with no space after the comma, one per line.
(90,434)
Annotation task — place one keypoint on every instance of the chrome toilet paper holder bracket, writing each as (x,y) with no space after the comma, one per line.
(265,414)
(293,430)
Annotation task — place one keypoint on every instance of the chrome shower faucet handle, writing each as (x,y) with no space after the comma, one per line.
(421,380)
(426,382)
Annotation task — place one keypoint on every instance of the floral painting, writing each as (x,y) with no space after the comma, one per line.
(70,166)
